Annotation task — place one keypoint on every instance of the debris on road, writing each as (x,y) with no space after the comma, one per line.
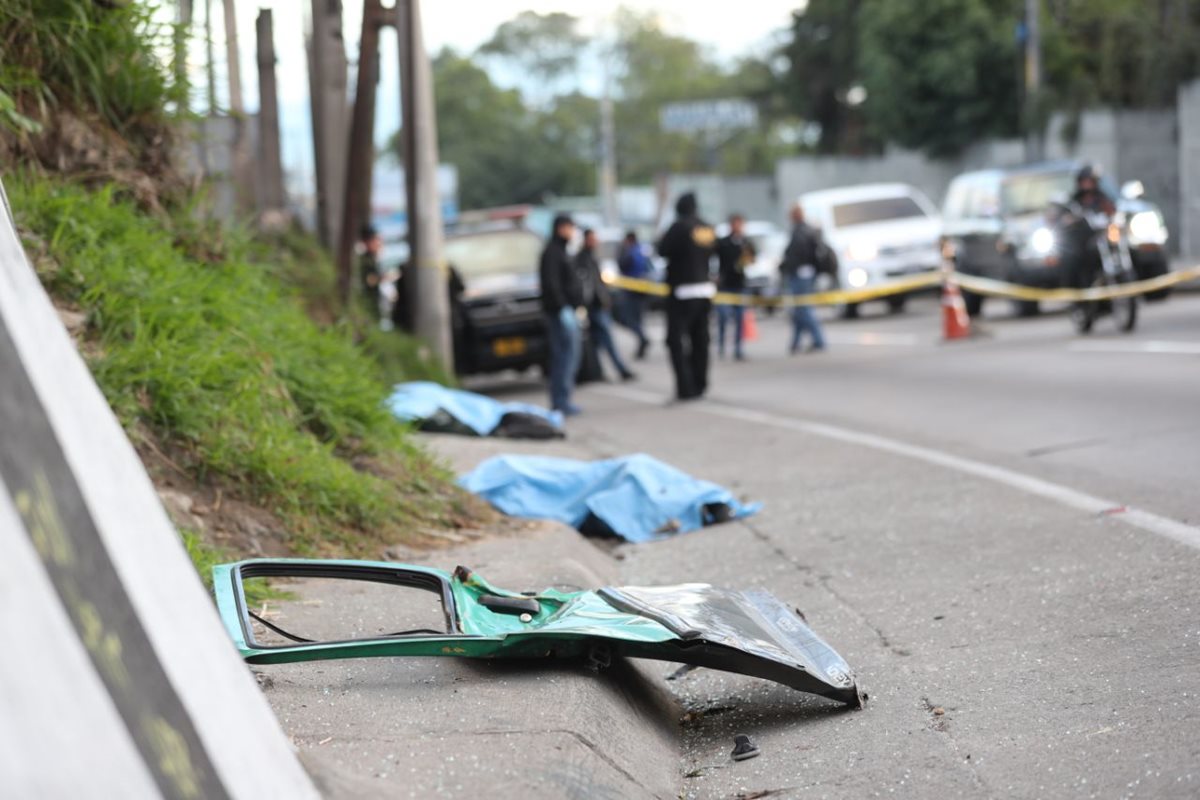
(681,672)
(743,748)
(637,497)
(438,409)
(746,632)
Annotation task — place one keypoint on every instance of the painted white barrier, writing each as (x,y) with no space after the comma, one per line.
(116,677)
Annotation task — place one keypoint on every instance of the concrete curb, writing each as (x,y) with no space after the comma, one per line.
(457,727)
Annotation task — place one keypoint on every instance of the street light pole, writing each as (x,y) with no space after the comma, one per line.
(608,154)
(1033,81)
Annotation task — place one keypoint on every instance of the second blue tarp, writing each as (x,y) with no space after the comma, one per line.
(638,497)
(425,402)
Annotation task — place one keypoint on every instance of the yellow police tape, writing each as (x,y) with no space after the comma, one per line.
(924,280)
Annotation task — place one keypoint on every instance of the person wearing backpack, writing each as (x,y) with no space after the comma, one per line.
(806,255)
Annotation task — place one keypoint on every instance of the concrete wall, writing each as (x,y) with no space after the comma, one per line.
(719,196)
(1187,236)
(1147,142)
(795,176)
(207,154)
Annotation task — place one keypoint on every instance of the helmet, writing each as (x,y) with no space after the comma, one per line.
(1090,172)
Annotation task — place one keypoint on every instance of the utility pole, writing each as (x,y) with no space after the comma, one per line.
(608,155)
(242,178)
(270,166)
(356,205)
(1033,81)
(210,66)
(210,70)
(232,60)
(327,76)
(183,24)
(427,278)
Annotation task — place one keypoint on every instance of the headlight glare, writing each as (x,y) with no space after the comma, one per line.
(857,278)
(1146,226)
(1042,242)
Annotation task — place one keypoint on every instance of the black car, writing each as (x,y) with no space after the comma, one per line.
(498,321)
(994,221)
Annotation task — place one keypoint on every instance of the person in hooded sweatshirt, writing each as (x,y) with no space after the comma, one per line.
(561,295)
(687,246)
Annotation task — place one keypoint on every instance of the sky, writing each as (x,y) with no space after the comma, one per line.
(463,25)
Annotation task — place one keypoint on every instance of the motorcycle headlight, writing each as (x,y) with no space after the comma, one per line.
(862,251)
(1147,227)
(1042,242)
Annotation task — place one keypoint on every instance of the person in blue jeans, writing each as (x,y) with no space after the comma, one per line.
(561,295)
(630,305)
(734,253)
(798,273)
(597,299)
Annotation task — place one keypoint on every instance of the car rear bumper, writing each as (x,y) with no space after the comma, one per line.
(516,343)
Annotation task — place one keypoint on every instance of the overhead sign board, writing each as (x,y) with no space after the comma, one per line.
(708,115)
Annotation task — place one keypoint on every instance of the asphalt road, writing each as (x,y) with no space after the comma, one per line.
(999,534)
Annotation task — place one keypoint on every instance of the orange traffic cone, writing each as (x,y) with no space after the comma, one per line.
(955,322)
(749,326)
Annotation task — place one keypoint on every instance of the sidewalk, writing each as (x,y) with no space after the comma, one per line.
(458,727)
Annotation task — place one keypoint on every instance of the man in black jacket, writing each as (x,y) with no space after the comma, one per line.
(687,247)
(801,262)
(560,297)
(734,253)
(597,299)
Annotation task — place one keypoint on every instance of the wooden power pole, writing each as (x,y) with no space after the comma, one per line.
(360,160)
(270,164)
(327,76)
(428,275)
(243,178)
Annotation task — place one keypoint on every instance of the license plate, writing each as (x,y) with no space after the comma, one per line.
(512,346)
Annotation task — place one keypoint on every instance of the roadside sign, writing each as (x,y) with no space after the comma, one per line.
(708,115)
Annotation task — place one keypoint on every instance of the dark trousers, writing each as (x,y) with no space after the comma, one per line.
(563,333)
(600,334)
(628,313)
(687,339)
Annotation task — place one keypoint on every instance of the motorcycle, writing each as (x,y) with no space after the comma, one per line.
(1097,244)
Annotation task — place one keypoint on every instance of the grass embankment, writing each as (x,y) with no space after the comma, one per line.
(205,354)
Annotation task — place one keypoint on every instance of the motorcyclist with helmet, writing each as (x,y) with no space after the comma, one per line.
(1081,261)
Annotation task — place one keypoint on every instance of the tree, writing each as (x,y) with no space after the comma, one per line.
(940,74)
(545,46)
(505,152)
(1124,53)
(823,68)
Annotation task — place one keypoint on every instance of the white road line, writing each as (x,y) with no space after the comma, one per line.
(1064,495)
(1138,346)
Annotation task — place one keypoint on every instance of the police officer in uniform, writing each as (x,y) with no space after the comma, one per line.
(687,247)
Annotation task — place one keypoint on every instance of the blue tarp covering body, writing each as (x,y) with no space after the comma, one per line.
(638,496)
(420,400)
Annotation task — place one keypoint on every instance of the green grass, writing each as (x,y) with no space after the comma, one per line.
(192,336)
(79,55)
(205,556)
(301,264)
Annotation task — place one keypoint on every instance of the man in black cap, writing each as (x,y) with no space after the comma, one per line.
(687,247)
(561,294)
